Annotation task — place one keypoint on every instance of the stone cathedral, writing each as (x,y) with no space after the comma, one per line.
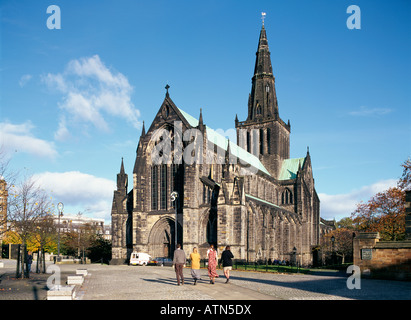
(250,195)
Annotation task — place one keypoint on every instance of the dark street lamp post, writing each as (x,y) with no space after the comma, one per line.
(332,246)
(174,197)
(60,207)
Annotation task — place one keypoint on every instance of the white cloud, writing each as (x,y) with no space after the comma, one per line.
(367,112)
(84,109)
(55,80)
(91,91)
(342,205)
(62,133)
(101,209)
(24,79)
(89,193)
(19,138)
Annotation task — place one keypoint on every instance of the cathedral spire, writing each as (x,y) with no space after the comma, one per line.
(263,99)
(272,143)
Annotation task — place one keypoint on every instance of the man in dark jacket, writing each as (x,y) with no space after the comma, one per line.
(179,261)
(226,257)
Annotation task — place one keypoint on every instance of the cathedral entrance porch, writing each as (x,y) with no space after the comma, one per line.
(162,237)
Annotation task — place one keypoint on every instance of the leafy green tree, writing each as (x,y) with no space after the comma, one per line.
(346,223)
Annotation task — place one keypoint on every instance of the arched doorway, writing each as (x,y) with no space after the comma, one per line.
(162,237)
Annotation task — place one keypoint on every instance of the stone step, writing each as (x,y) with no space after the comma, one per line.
(83,272)
(75,280)
(61,293)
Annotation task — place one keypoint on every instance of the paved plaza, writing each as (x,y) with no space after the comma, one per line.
(123,282)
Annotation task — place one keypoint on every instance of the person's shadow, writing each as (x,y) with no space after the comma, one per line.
(35,293)
(173,281)
(168,281)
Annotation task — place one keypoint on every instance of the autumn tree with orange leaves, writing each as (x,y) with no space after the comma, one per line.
(343,244)
(385,212)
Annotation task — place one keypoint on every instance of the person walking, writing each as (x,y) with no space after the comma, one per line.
(227,262)
(212,263)
(29,261)
(179,260)
(195,265)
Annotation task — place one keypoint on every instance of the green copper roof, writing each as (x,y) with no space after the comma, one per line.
(289,168)
(221,141)
(191,120)
(261,200)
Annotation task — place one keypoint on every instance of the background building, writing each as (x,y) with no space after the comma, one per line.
(75,223)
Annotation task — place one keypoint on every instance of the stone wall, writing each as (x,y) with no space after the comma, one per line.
(408,215)
(382,259)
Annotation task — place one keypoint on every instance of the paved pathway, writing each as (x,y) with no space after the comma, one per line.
(158,283)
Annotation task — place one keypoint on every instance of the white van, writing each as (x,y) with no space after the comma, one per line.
(139,258)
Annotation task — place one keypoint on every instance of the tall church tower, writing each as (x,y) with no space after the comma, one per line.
(120,222)
(264,133)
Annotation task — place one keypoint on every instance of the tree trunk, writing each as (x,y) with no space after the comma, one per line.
(24,263)
(38,264)
(44,260)
(18,262)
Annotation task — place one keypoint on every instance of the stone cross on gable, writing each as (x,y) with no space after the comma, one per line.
(167,87)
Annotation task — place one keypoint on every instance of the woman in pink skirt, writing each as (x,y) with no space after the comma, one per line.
(212,263)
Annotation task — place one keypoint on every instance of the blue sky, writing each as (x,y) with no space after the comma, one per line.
(73,100)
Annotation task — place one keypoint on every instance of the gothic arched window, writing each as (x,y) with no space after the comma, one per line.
(159,186)
(287,197)
(163,187)
(154,187)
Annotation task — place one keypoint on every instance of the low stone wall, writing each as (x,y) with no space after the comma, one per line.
(385,259)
